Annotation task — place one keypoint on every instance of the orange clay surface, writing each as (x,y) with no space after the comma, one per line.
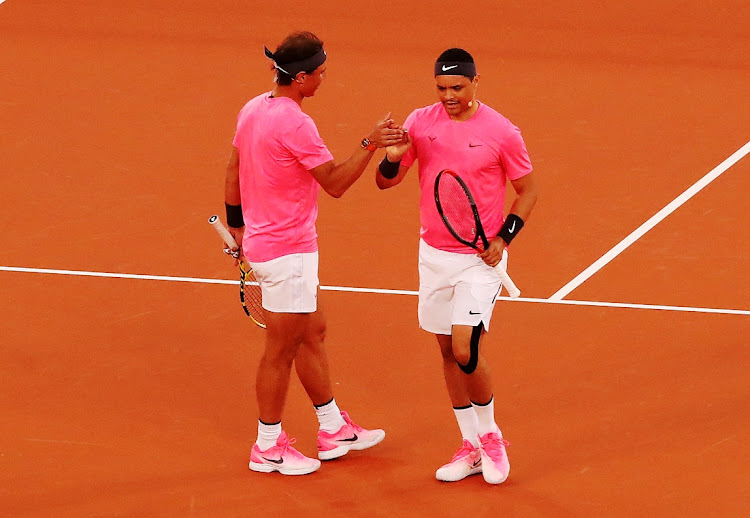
(135,398)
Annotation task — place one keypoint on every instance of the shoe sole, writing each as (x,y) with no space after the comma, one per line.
(340,451)
(472,471)
(496,481)
(267,468)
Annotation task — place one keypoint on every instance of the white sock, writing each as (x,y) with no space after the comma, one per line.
(329,417)
(486,417)
(468,424)
(268,434)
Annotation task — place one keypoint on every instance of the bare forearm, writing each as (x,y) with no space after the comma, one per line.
(233,199)
(527,195)
(523,205)
(336,179)
(393,157)
(232,192)
(343,175)
(232,181)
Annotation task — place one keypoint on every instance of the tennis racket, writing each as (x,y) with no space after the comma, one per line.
(250,293)
(456,207)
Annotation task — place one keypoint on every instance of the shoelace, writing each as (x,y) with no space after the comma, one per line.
(285,446)
(348,420)
(492,446)
(467,449)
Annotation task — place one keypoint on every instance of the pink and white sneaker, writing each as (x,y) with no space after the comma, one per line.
(495,463)
(282,458)
(466,461)
(349,437)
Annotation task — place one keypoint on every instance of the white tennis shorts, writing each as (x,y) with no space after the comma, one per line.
(289,284)
(455,289)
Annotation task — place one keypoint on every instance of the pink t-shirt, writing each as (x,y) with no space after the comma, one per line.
(278,144)
(485,151)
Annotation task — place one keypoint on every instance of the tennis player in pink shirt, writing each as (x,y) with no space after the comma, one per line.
(458,287)
(277,165)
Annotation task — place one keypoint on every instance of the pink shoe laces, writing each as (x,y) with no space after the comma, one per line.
(491,444)
(284,446)
(348,420)
(466,450)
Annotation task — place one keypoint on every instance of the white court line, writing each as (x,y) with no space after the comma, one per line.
(115,275)
(651,223)
(687,309)
(373,290)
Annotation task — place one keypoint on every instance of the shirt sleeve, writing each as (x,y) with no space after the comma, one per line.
(305,143)
(514,157)
(236,140)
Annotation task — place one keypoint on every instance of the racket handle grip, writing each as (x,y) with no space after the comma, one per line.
(510,286)
(222,231)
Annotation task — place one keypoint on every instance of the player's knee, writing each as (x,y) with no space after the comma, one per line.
(318,324)
(281,354)
(468,357)
(469,367)
(317,333)
(462,356)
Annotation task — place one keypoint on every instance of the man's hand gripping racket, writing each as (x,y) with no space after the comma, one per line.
(459,213)
(250,293)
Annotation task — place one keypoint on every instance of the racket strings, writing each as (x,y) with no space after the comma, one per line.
(250,295)
(457,209)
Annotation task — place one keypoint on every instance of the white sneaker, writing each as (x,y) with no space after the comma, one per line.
(282,458)
(466,461)
(351,436)
(495,463)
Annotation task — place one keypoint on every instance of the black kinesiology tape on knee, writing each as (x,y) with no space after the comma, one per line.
(471,366)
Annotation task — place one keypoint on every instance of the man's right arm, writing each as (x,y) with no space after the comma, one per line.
(336,179)
(393,156)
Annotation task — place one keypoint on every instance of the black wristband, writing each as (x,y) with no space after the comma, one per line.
(512,226)
(234,216)
(389,169)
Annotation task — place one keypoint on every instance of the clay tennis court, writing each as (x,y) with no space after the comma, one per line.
(132,394)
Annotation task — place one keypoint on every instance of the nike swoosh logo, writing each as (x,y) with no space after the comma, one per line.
(512,227)
(350,439)
(445,69)
(475,313)
(431,138)
(275,461)
(476,463)
(475,145)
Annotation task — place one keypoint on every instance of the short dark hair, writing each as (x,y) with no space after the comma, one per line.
(455,62)
(295,47)
(457,55)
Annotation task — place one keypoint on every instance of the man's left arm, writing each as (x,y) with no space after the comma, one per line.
(526,195)
(232,197)
(526,192)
